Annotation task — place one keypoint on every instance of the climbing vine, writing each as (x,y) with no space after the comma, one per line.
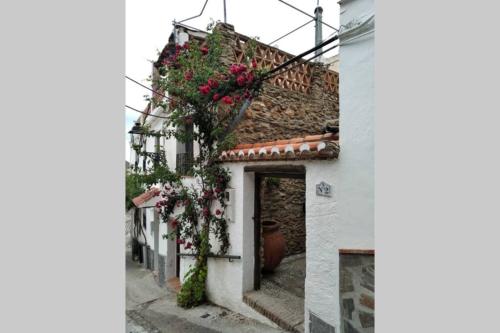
(209,96)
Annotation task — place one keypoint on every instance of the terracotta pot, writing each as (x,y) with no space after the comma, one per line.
(274,245)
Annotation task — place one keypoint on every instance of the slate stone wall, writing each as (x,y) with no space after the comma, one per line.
(284,202)
(357,293)
(279,113)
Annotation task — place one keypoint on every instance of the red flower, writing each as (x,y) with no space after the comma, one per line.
(227,100)
(186,45)
(246,94)
(206,212)
(188,75)
(213,83)
(234,69)
(180,241)
(241,80)
(218,212)
(174,223)
(237,98)
(177,47)
(216,97)
(218,190)
(204,50)
(242,68)
(254,63)
(188,245)
(205,89)
(250,77)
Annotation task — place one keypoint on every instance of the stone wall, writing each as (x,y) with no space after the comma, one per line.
(283,200)
(280,113)
(357,293)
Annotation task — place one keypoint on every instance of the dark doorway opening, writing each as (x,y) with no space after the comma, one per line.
(280,247)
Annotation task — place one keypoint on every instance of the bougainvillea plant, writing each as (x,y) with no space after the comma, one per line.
(208,95)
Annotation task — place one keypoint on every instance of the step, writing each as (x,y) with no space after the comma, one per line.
(280,306)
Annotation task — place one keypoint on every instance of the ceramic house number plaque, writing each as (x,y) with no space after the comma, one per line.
(324,189)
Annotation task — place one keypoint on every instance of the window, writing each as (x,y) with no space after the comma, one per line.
(185,155)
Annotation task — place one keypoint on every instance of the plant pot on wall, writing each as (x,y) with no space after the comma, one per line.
(274,245)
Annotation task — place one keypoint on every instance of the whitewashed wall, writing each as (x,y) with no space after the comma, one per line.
(355,167)
(227,281)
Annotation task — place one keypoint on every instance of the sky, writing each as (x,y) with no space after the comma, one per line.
(149,24)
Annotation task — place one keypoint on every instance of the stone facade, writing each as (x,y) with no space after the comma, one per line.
(284,113)
(357,293)
(283,200)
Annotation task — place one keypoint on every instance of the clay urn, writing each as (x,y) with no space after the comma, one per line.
(274,245)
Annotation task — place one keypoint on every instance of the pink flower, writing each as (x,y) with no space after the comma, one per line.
(237,98)
(188,245)
(204,50)
(254,63)
(215,97)
(205,89)
(241,80)
(246,94)
(227,100)
(218,212)
(188,75)
(213,83)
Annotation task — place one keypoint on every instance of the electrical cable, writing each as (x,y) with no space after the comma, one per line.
(303,25)
(148,114)
(303,12)
(300,56)
(154,91)
(306,61)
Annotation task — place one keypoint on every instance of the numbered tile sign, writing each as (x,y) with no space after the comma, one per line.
(324,189)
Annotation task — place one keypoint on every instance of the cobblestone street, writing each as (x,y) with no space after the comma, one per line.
(151,309)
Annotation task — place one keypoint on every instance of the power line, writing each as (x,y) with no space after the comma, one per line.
(303,12)
(154,91)
(303,25)
(147,114)
(300,63)
(300,56)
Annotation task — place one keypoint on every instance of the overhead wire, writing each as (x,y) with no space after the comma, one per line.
(300,63)
(303,12)
(300,56)
(289,33)
(148,114)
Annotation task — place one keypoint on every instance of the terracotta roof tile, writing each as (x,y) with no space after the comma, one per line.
(141,199)
(321,146)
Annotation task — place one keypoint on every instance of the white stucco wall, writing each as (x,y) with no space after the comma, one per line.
(355,167)
(226,280)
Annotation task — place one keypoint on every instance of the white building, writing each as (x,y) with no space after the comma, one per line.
(338,288)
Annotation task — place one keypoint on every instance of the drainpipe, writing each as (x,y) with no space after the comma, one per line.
(318,36)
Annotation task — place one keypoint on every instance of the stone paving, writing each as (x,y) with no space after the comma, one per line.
(152,309)
(281,296)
